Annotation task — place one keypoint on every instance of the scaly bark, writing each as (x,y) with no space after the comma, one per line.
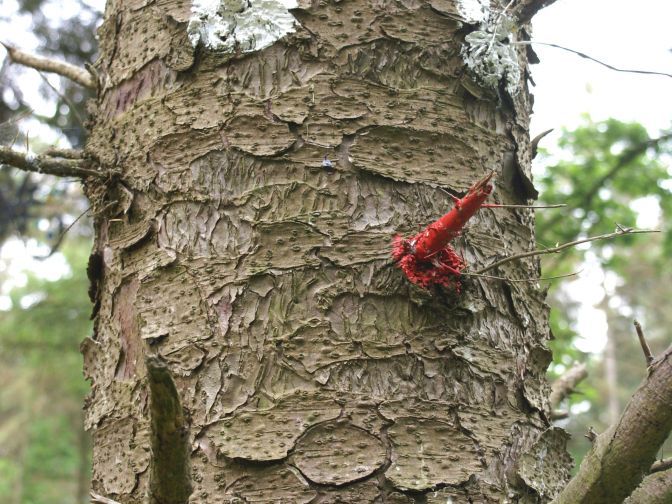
(308,367)
(656,488)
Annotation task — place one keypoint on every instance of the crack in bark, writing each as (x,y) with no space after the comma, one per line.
(170,476)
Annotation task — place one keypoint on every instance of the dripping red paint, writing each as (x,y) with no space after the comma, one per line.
(427,258)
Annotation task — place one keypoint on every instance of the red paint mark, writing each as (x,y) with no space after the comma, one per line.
(427,258)
(149,81)
(224,311)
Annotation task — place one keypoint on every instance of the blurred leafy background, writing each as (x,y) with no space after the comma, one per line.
(44,308)
(608,173)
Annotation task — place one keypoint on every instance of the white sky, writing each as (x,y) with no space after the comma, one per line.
(625,34)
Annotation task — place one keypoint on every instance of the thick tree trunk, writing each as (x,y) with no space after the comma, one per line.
(308,368)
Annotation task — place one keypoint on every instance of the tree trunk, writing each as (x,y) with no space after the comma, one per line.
(83,462)
(308,368)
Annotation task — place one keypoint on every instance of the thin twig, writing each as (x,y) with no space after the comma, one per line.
(535,207)
(642,341)
(558,248)
(583,55)
(661,465)
(65,99)
(541,279)
(18,117)
(47,164)
(56,245)
(67,70)
(496,24)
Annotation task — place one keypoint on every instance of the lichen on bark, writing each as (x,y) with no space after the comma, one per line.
(240,25)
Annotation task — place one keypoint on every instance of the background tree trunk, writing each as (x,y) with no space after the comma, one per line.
(309,369)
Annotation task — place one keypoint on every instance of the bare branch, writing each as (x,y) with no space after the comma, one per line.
(47,164)
(534,143)
(525,10)
(553,250)
(655,489)
(566,384)
(661,465)
(64,153)
(514,280)
(642,341)
(583,55)
(67,70)
(621,456)
(559,414)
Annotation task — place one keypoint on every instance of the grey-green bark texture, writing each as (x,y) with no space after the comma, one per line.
(656,488)
(308,368)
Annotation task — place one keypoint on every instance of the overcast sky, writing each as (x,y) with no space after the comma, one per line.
(621,33)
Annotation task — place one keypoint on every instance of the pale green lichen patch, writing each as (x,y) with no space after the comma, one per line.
(240,25)
(490,58)
(337,453)
(473,11)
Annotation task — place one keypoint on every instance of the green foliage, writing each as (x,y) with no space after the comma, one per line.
(604,168)
(41,424)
